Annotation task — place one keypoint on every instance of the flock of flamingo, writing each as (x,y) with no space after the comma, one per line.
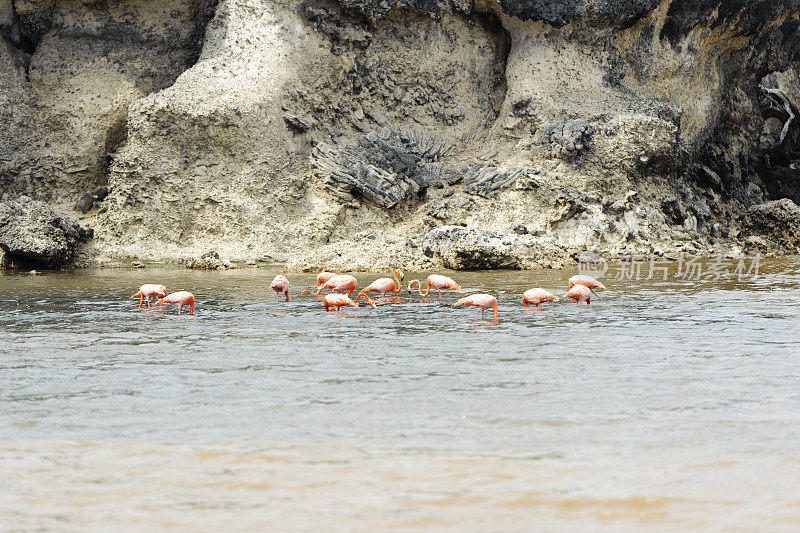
(581,288)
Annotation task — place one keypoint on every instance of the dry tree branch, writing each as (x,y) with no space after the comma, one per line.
(776,104)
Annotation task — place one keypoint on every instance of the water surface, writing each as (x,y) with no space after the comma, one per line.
(665,404)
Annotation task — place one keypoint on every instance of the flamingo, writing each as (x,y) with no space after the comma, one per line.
(335,301)
(537,296)
(579,294)
(149,290)
(180,299)
(384,285)
(586,281)
(322,277)
(339,283)
(484,301)
(280,285)
(437,282)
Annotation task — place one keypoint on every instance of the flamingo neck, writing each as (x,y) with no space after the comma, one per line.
(397,286)
(419,286)
(428,290)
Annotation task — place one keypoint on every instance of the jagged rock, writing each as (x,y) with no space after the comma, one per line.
(33,234)
(777,221)
(387,168)
(209,261)
(567,139)
(487,180)
(468,248)
(384,168)
(344,32)
(296,120)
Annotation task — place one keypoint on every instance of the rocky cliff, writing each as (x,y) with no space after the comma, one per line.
(361,134)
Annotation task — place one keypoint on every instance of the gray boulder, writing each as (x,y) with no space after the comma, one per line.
(468,248)
(210,260)
(778,221)
(89,200)
(34,235)
(567,139)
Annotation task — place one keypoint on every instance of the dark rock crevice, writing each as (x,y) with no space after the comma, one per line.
(13,31)
(618,13)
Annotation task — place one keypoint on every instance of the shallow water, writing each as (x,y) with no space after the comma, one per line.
(665,404)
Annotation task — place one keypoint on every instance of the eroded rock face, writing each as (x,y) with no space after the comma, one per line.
(70,70)
(777,221)
(312,129)
(34,235)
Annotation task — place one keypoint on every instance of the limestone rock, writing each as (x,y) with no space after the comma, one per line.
(777,221)
(255,127)
(487,180)
(89,200)
(468,248)
(209,261)
(34,235)
(567,139)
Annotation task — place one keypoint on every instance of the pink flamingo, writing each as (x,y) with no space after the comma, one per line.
(180,299)
(149,290)
(280,285)
(335,301)
(384,285)
(580,294)
(537,296)
(483,301)
(322,277)
(586,281)
(339,283)
(437,282)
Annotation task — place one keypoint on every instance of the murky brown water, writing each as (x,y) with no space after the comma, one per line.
(663,405)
